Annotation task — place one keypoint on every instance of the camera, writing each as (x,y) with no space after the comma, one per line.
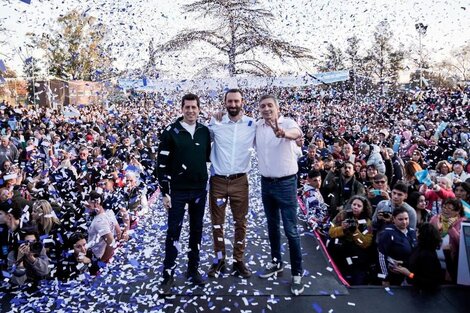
(351,221)
(339,164)
(35,247)
(386,214)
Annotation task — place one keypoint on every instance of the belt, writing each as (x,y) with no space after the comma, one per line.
(275,179)
(231,177)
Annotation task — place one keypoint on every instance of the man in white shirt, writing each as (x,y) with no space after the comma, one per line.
(103,229)
(233,139)
(275,145)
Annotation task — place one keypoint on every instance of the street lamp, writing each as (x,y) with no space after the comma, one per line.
(421,28)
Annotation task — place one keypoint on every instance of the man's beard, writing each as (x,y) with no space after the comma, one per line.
(234,111)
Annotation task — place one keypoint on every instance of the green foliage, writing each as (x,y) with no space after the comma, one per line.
(77,50)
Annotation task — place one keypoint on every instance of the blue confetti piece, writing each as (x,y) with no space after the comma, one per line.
(317,307)
(134,263)
(176,130)
(250,123)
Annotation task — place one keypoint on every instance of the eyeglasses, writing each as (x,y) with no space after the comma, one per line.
(379,181)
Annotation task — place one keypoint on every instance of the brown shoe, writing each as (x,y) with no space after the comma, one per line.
(239,269)
(217,268)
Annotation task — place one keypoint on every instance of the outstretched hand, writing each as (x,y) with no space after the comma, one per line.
(278,132)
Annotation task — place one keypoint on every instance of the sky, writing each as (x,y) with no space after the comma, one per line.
(311,24)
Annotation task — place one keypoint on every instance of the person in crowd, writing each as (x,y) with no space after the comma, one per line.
(378,191)
(418,201)
(448,224)
(396,243)
(316,208)
(353,229)
(135,198)
(8,151)
(437,194)
(233,139)
(462,191)
(29,262)
(399,195)
(342,185)
(362,175)
(321,149)
(348,153)
(424,271)
(104,229)
(49,228)
(409,177)
(458,173)
(434,153)
(371,154)
(275,144)
(79,259)
(182,155)
(443,168)
(305,162)
(418,157)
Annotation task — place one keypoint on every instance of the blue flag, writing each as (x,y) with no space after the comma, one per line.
(3,68)
(423,177)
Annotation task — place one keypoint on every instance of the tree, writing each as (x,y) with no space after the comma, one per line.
(459,66)
(240,33)
(383,62)
(150,69)
(77,50)
(333,60)
(31,69)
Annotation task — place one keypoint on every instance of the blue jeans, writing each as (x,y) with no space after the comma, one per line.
(279,200)
(196,200)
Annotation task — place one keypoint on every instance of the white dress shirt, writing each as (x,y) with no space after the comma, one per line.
(276,156)
(232,144)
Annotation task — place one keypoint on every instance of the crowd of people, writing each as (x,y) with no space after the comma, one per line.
(73,187)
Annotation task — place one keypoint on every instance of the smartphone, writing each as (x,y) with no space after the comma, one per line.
(376,192)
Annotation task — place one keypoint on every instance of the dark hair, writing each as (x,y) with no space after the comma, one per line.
(75,237)
(349,162)
(464,185)
(264,97)
(11,208)
(414,198)
(456,203)
(313,173)
(30,230)
(366,206)
(401,186)
(428,237)
(399,210)
(94,195)
(233,90)
(190,97)
(381,176)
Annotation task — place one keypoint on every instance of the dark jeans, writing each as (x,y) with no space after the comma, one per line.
(280,200)
(196,200)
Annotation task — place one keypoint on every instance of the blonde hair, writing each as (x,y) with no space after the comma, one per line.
(48,218)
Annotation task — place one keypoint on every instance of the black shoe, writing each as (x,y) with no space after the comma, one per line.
(196,278)
(239,269)
(165,287)
(271,270)
(217,268)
